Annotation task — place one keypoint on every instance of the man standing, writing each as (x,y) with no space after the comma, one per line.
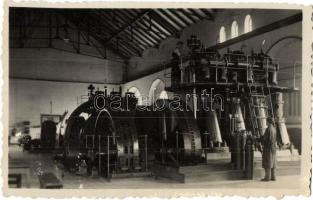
(269,161)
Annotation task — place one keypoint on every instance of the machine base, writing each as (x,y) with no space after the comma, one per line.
(222,170)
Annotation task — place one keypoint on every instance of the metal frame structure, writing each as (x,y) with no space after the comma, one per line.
(126,32)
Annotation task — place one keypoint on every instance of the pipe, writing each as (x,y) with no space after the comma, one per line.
(279,118)
(237,113)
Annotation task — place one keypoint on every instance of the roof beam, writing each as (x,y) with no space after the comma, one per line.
(175,12)
(82,17)
(103,54)
(125,19)
(149,31)
(112,27)
(141,15)
(144,23)
(123,37)
(146,40)
(187,14)
(140,44)
(172,19)
(146,34)
(128,46)
(164,24)
(108,23)
(140,26)
(122,45)
(207,13)
(92,18)
(134,41)
(196,14)
(79,23)
(157,26)
(143,40)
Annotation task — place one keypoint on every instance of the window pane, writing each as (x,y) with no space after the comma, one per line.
(248,24)
(137,94)
(222,34)
(234,29)
(163,95)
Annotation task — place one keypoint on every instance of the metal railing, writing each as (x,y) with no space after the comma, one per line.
(100,152)
(249,64)
(108,151)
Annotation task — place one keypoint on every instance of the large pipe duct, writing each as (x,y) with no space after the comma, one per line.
(237,113)
(260,111)
(279,118)
(213,127)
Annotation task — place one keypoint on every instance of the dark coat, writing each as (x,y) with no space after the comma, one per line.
(269,148)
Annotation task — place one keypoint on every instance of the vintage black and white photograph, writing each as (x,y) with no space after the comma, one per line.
(155,98)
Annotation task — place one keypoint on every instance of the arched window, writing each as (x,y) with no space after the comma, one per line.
(248,24)
(137,94)
(234,29)
(156,89)
(163,95)
(222,34)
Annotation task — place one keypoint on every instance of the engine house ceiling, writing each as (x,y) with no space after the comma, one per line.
(127,32)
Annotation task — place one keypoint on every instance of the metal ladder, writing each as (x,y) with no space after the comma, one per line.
(253,117)
(256,130)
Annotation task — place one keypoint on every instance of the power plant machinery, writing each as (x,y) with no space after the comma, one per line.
(101,135)
(242,88)
(221,102)
(173,133)
(109,133)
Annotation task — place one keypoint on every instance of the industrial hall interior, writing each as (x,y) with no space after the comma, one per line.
(154,98)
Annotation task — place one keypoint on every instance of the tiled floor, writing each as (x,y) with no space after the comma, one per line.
(44,163)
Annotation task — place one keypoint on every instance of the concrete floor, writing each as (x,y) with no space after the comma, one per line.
(43,162)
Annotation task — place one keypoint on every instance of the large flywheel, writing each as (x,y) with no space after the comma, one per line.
(173,134)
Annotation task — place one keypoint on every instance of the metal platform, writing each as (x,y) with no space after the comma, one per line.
(220,86)
(221,170)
